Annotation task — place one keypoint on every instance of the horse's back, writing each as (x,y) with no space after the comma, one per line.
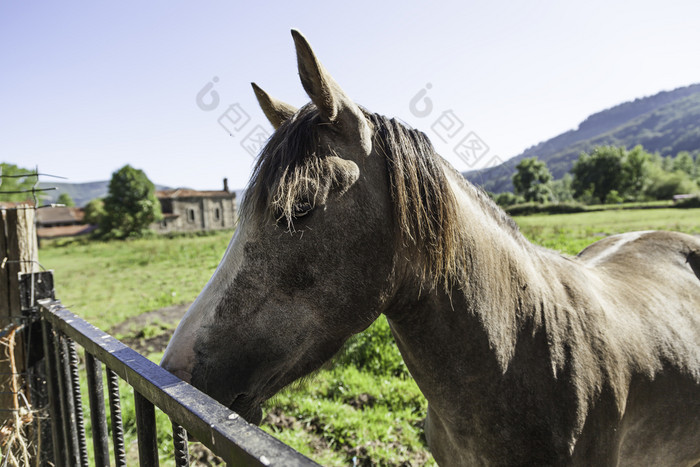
(654,258)
(652,281)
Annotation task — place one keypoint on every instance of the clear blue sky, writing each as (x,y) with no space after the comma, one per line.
(86,87)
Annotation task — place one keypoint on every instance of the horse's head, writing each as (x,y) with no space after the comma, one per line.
(312,260)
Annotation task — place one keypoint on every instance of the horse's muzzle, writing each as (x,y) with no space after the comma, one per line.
(248,408)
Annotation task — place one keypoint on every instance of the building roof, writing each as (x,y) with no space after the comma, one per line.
(15,204)
(187,193)
(59,215)
(64,231)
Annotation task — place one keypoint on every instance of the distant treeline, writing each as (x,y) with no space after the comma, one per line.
(607,175)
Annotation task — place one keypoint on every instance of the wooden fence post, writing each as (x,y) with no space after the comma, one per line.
(19,251)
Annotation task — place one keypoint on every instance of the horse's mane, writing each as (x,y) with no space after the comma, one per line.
(425,207)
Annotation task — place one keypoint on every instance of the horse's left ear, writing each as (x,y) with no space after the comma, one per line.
(333,104)
(277,112)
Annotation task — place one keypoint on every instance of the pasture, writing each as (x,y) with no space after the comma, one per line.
(364,406)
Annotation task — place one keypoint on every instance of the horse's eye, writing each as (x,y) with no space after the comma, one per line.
(301,209)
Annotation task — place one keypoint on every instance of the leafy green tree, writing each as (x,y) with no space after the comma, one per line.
(131,204)
(598,173)
(14,179)
(663,185)
(561,189)
(667,163)
(95,211)
(531,180)
(684,162)
(64,198)
(635,170)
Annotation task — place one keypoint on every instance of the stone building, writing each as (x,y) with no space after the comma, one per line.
(187,210)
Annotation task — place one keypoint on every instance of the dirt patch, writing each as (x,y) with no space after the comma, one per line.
(360,401)
(200,455)
(150,332)
(168,316)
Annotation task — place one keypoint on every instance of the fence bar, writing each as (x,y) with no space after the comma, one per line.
(146,431)
(78,402)
(98,416)
(71,453)
(115,409)
(182,456)
(217,427)
(54,397)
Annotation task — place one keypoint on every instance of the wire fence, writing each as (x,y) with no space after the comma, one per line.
(22,404)
(35,192)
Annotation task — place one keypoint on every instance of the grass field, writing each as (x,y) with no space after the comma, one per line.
(570,233)
(364,408)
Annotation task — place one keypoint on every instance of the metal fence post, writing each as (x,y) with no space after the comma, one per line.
(52,382)
(98,416)
(146,430)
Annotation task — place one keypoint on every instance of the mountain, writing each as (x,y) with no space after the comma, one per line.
(667,122)
(81,193)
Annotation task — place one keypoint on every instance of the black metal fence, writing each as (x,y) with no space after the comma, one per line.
(191,411)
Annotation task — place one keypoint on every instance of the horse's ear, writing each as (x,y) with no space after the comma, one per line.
(318,83)
(329,98)
(277,112)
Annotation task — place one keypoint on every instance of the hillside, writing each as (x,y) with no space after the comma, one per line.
(667,122)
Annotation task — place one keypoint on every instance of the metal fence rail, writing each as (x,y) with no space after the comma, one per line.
(215,426)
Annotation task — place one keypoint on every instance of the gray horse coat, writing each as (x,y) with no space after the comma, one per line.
(526,357)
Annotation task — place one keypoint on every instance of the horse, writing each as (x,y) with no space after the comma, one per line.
(525,356)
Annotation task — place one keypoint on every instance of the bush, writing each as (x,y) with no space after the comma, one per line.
(666,184)
(374,351)
(507,199)
(613,197)
(688,203)
(525,209)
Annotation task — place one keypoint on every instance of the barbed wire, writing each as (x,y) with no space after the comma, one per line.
(33,190)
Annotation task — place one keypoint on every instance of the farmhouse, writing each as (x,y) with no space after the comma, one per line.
(61,221)
(186,210)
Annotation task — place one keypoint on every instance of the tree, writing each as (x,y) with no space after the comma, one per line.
(94,211)
(598,173)
(531,180)
(684,162)
(131,204)
(635,170)
(561,189)
(14,180)
(64,198)
(663,185)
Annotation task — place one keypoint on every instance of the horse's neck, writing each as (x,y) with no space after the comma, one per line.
(470,332)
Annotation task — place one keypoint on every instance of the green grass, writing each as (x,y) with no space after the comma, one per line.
(570,233)
(106,283)
(364,407)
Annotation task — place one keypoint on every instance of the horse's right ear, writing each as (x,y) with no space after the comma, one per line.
(277,112)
